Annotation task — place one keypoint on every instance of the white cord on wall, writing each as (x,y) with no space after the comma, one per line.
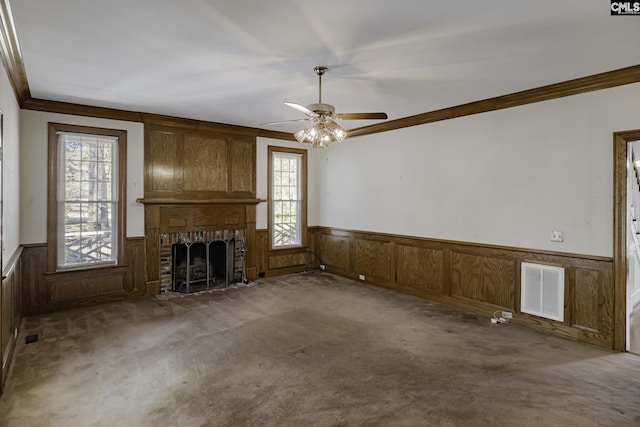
(496,319)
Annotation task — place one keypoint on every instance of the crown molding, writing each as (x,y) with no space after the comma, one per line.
(12,59)
(162,120)
(276,134)
(609,79)
(11,55)
(45,105)
(146,118)
(606,80)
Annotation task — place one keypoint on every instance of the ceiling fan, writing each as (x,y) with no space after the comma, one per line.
(325,130)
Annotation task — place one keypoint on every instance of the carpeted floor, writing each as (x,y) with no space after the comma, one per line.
(308,349)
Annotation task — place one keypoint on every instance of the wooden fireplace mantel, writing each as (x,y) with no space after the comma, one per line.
(176,201)
(183,215)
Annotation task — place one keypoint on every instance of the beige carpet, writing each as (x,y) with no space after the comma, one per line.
(308,349)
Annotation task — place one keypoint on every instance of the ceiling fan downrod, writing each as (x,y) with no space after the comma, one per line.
(320,70)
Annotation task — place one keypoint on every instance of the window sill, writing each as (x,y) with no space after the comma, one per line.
(300,248)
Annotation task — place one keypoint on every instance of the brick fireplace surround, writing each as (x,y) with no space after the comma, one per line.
(163,216)
(232,241)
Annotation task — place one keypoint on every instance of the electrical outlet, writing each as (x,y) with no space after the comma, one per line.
(557,236)
(361,276)
(323,267)
(507,315)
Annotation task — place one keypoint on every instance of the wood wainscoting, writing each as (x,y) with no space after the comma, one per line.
(10,312)
(44,291)
(480,278)
(276,262)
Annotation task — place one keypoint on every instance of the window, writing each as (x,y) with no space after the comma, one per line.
(287,196)
(86,195)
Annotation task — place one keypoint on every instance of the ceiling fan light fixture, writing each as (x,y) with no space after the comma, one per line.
(338,132)
(321,134)
(325,131)
(303,135)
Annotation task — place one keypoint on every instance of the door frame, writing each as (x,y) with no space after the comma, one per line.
(621,142)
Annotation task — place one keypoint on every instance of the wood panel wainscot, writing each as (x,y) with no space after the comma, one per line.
(592,303)
(286,260)
(10,312)
(476,277)
(75,285)
(336,251)
(44,291)
(374,260)
(277,262)
(420,268)
(483,278)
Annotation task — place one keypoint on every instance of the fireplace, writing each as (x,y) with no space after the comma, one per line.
(197,225)
(202,260)
(200,266)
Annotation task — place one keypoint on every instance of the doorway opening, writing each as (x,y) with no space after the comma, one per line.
(626,250)
(633,248)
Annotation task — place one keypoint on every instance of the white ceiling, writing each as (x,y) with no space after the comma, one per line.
(237,61)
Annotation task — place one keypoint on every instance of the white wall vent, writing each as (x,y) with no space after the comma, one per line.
(542,291)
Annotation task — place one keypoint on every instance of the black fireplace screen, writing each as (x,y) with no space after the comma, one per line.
(199,266)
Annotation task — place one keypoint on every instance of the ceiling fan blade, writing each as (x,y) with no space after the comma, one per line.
(301,108)
(284,121)
(361,116)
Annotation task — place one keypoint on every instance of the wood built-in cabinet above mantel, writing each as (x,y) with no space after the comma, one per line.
(198,165)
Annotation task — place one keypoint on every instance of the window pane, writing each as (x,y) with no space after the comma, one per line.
(86,190)
(87,207)
(72,190)
(74,151)
(89,151)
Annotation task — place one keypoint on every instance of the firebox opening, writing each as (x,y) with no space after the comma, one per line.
(200,266)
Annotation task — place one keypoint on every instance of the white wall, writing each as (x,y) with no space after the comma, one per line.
(11,168)
(506,177)
(33,171)
(262,177)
